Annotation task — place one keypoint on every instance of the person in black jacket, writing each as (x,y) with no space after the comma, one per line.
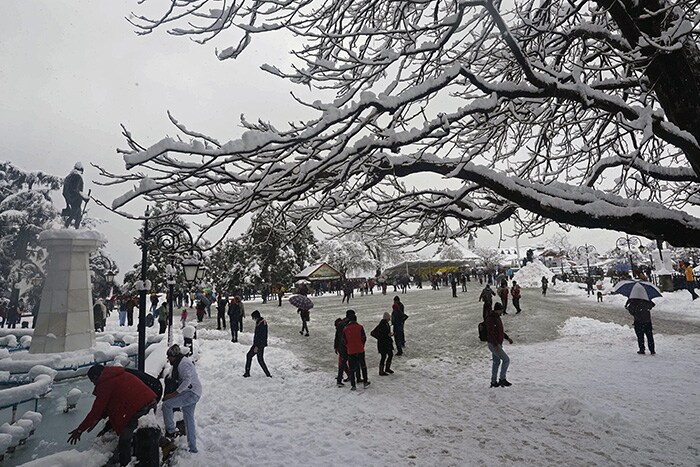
(234,316)
(640,310)
(385,346)
(221,311)
(259,344)
(341,350)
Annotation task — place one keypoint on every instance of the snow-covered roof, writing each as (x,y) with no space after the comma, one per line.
(320,271)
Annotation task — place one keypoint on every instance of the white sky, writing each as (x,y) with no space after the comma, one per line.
(585,398)
(72,72)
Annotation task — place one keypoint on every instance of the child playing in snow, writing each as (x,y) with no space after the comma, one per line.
(183,318)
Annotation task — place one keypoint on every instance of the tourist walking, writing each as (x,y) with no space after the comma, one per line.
(341,351)
(495,336)
(162,318)
(234,317)
(640,310)
(185,397)
(305,316)
(545,283)
(99,312)
(690,280)
(221,303)
(502,292)
(385,346)
(486,296)
(398,318)
(259,344)
(355,338)
(515,293)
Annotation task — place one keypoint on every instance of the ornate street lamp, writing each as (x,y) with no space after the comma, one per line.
(173,239)
(105,267)
(629,242)
(586,250)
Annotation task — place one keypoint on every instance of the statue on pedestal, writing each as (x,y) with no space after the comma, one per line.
(73,193)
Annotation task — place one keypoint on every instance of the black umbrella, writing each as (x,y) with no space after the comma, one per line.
(301,301)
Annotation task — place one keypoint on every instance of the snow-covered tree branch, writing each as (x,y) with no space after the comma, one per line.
(580,113)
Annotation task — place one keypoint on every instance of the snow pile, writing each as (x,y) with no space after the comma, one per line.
(531,274)
(591,328)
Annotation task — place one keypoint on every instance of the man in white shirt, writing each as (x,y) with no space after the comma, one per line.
(185,397)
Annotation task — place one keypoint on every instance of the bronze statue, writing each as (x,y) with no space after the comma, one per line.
(73,193)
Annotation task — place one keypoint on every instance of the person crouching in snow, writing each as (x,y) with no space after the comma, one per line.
(123,398)
(495,336)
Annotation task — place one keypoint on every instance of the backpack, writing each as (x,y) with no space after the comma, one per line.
(150,381)
(483,333)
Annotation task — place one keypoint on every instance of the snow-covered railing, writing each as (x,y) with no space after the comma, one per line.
(16,433)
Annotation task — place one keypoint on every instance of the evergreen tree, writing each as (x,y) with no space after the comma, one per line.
(25,211)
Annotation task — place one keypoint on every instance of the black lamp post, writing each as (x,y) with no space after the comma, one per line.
(171,238)
(586,250)
(629,242)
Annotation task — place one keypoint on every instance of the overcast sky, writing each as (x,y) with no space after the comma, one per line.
(72,71)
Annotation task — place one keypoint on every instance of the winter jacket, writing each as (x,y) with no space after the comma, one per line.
(188,380)
(73,186)
(163,313)
(234,311)
(689,275)
(398,315)
(118,395)
(382,332)
(494,329)
(260,337)
(515,291)
(639,309)
(503,293)
(487,295)
(355,338)
(339,342)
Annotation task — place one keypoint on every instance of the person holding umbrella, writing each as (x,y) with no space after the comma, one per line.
(639,305)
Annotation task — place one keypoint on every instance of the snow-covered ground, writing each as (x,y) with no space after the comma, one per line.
(585,398)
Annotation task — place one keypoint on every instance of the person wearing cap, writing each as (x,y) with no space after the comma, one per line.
(385,346)
(185,397)
(121,397)
(259,344)
(73,194)
(495,337)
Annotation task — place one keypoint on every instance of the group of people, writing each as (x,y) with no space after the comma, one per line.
(503,292)
(123,396)
(350,340)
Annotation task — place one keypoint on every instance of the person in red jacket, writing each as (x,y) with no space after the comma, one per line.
(121,397)
(495,336)
(354,337)
(515,292)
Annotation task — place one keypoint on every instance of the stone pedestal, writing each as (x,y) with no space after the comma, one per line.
(65,321)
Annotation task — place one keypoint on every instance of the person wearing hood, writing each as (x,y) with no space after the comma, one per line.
(385,346)
(73,194)
(184,397)
(121,397)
